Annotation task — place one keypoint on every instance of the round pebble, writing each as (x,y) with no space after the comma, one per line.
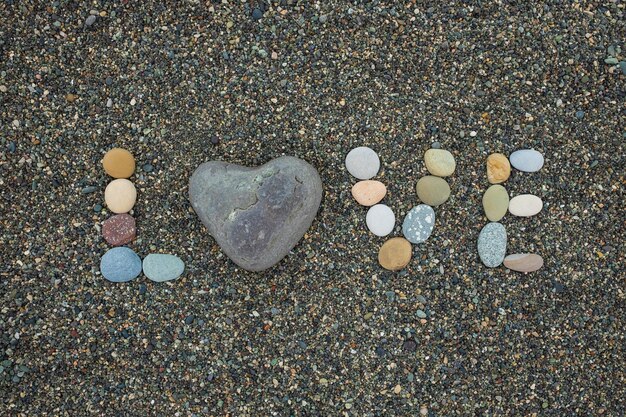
(120,196)
(380,220)
(523,262)
(432,190)
(492,244)
(525,205)
(527,160)
(119,229)
(495,202)
(439,162)
(119,163)
(162,267)
(395,254)
(362,163)
(498,168)
(419,223)
(120,264)
(369,192)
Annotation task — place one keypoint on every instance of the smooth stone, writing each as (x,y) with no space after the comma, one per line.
(119,229)
(498,168)
(525,205)
(119,163)
(380,220)
(256,215)
(369,192)
(120,264)
(523,262)
(492,244)
(395,254)
(432,190)
(120,196)
(419,223)
(495,202)
(362,163)
(527,160)
(162,267)
(439,162)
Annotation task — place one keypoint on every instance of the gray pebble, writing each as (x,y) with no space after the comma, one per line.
(580,114)
(90,20)
(97,208)
(323,18)
(257,13)
(421,314)
(436,145)
(11,147)
(148,168)
(120,264)
(89,189)
(492,244)
(189,319)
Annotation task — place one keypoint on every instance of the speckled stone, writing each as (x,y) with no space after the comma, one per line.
(120,196)
(523,262)
(369,192)
(395,254)
(432,190)
(119,229)
(119,163)
(525,205)
(362,162)
(527,160)
(419,223)
(161,267)
(256,215)
(439,162)
(498,168)
(380,220)
(120,264)
(492,244)
(495,202)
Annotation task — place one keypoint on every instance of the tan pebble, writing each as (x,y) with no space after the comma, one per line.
(525,205)
(498,168)
(395,254)
(119,163)
(367,193)
(120,196)
(432,190)
(439,162)
(495,202)
(523,262)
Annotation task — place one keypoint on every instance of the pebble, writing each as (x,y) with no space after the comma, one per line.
(11,147)
(120,264)
(162,267)
(362,163)
(120,196)
(369,192)
(395,254)
(523,262)
(525,205)
(380,220)
(90,20)
(498,168)
(97,208)
(119,229)
(257,13)
(421,314)
(148,168)
(495,202)
(439,162)
(436,145)
(89,189)
(419,223)
(527,160)
(492,244)
(119,163)
(432,190)
(622,66)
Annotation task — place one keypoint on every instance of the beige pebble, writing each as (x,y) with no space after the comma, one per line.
(525,205)
(523,262)
(432,190)
(498,168)
(120,196)
(395,254)
(439,162)
(495,202)
(369,192)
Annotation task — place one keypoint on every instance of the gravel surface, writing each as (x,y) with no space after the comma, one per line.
(327,331)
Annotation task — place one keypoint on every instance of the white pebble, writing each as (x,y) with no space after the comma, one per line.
(380,220)
(362,162)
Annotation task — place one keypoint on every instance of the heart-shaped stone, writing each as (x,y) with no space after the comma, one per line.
(256,215)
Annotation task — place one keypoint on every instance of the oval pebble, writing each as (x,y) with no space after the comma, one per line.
(439,162)
(120,196)
(367,193)
(162,267)
(492,244)
(525,205)
(362,162)
(419,223)
(120,264)
(395,254)
(380,220)
(523,262)
(119,229)
(432,190)
(527,160)
(119,163)
(498,168)
(495,202)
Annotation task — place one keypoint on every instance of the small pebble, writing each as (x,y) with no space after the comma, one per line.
(148,168)
(11,147)
(525,205)
(257,13)
(580,114)
(432,190)
(380,220)
(90,20)
(362,162)
(527,160)
(189,319)
(162,267)
(436,145)
(369,192)
(439,162)
(120,196)
(89,189)
(97,208)
(523,262)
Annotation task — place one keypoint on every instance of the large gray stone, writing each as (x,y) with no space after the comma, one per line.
(256,215)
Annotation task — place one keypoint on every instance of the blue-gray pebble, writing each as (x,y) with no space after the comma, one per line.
(120,264)
(162,267)
(492,244)
(527,160)
(419,223)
